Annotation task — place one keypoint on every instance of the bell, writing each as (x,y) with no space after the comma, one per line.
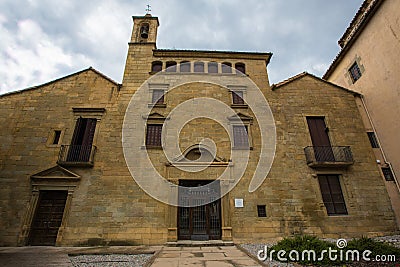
(145,33)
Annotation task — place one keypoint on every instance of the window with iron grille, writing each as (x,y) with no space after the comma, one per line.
(332,194)
(388,174)
(153,135)
(373,140)
(355,72)
(240,136)
(237,97)
(261,211)
(158,97)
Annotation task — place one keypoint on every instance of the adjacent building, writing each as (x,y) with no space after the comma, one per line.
(368,64)
(66,150)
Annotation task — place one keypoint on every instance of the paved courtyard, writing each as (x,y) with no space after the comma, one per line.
(203,256)
(207,256)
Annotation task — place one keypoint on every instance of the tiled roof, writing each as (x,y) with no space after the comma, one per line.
(210,53)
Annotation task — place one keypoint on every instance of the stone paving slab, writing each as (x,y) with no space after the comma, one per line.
(203,256)
(164,257)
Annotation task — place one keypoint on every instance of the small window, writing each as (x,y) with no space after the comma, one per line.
(226,67)
(156,66)
(57,136)
(170,66)
(158,97)
(355,72)
(332,194)
(153,135)
(240,136)
(185,66)
(212,67)
(388,174)
(261,211)
(198,67)
(373,140)
(240,68)
(237,98)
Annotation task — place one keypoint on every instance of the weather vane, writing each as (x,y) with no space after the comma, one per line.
(148,9)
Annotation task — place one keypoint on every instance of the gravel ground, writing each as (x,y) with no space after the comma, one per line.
(393,240)
(111,260)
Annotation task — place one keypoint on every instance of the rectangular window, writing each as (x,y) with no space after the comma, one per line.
(240,136)
(57,136)
(388,174)
(153,135)
(261,211)
(158,97)
(373,140)
(237,97)
(355,72)
(332,194)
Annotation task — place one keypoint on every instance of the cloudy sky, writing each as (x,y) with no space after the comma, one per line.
(41,40)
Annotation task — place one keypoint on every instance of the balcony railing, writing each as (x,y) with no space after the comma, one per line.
(328,156)
(76,155)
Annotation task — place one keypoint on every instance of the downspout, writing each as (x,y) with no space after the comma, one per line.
(379,143)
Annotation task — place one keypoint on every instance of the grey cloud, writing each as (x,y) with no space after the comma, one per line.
(302,35)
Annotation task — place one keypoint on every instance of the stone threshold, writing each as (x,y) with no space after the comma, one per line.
(193,243)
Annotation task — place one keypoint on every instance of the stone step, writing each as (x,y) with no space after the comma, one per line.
(193,243)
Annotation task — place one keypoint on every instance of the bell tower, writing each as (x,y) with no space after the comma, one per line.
(140,51)
(144,29)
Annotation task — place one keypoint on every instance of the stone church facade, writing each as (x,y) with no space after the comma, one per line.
(66,175)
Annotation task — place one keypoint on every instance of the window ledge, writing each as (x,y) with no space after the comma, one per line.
(157,105)
(239,106)
(152,147)
(242,148)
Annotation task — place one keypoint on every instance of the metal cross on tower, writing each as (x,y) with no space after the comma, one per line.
(148,9)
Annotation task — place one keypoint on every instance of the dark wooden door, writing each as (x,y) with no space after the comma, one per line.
(320,139)
(82,140)
(48,218)
(197,220)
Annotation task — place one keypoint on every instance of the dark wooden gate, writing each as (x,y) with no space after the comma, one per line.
(48,218)
(320,139)
(197,220)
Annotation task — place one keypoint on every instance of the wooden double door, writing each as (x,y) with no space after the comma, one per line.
(48,217)
(199,211)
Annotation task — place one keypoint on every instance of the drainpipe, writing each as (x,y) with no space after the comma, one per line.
(379,143)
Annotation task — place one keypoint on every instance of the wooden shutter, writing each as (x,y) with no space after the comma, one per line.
(240,136)
(320,139)
(332,194)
